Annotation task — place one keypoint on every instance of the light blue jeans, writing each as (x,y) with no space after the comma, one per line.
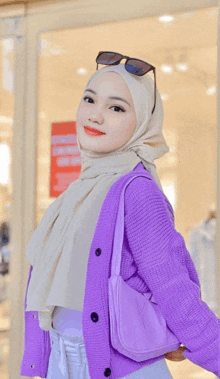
(68,360)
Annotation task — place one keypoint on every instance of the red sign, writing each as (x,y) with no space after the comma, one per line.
(65,157)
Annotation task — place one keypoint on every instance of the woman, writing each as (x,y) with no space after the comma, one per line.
(70,250)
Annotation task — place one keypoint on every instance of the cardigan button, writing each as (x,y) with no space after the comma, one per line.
(94,317)
(32,366)
(98,251)
(107,371)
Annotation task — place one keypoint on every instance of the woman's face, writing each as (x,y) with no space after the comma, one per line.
(100,110)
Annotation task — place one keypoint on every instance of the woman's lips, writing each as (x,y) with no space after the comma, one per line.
(93,133)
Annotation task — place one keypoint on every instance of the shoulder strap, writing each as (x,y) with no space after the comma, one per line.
(119,228)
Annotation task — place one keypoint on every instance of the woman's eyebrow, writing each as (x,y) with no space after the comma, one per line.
(110,97)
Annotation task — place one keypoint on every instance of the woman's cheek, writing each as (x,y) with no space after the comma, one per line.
(120,134)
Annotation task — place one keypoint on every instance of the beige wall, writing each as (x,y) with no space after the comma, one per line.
(12,2)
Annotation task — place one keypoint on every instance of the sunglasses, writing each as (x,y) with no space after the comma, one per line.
(132,65)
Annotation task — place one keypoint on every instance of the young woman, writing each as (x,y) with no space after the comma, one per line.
(67,332)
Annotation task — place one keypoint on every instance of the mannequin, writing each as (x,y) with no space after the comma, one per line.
(202,248)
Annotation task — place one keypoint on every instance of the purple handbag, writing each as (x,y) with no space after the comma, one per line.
(138,328)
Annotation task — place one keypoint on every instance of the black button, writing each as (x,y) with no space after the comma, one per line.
(94,316)
(98,252)
(107,371)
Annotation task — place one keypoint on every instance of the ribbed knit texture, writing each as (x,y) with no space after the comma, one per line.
(167,268)
(154,256)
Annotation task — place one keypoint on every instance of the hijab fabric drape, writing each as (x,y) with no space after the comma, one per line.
(59,247)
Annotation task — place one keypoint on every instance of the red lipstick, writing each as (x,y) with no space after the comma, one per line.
(92,131)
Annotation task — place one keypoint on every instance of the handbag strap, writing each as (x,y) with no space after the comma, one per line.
(119,229)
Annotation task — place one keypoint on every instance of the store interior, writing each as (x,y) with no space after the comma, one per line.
(183,48)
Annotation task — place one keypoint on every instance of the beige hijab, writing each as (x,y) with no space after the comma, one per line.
(58,249)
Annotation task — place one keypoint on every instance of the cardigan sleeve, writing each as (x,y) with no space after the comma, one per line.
(165,265)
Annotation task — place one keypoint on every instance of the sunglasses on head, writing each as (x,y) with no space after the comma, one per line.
(132,65)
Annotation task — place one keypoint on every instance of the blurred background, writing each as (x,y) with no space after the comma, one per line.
(47,54)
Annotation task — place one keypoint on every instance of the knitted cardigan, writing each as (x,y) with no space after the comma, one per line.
(155,258)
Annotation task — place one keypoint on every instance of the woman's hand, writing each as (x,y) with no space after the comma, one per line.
(176,355)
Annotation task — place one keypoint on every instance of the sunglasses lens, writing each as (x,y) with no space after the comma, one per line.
(108,58)
(137,67)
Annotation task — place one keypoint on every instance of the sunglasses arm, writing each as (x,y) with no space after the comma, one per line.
(155,88)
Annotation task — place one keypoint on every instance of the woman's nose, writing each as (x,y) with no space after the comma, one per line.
(96,116)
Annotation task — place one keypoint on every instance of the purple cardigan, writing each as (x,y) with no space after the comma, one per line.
(155,258)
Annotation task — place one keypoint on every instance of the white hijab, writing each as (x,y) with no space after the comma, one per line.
(58,249)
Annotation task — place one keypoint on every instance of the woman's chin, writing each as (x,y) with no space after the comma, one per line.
(90,147)
(97,148)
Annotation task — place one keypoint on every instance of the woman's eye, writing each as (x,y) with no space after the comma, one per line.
(120,109)
(87,97)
